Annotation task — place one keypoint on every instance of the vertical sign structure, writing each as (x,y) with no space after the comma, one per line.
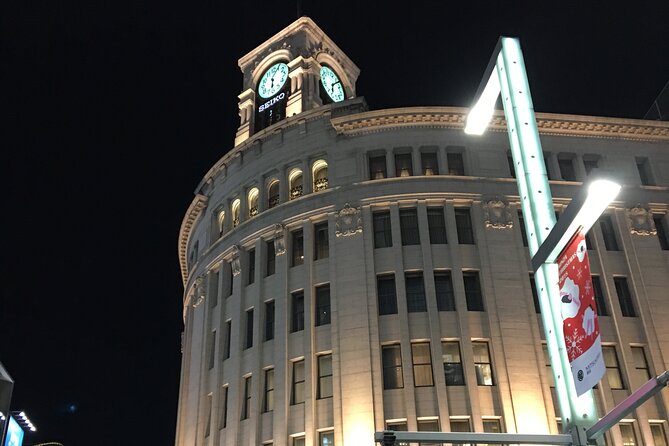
(579,316)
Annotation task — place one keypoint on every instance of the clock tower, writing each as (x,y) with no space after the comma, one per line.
(296,70)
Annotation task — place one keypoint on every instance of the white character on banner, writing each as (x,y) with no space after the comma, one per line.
(588,321)
(581,250)
(569,295)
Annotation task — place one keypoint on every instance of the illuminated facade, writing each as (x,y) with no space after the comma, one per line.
(348,271)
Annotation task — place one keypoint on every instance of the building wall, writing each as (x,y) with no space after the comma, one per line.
(520,397)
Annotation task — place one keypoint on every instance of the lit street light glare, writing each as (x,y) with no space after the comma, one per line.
(481,113)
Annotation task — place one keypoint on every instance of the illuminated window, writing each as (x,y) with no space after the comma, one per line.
(383,237)
(640,364)
(320,175)
(298,247)
(392,367)
(397,426)
(613,375)
(431,425)
(246,403)
(415,292)
(295,183)
(456,164)
(207,429)
(324,376)
(377,167)
(443,287)
(298,441)
(221,223)
(628,434)
(403,165)
(409,227)
(298,382)
(268,403)
(659,435)
(297,312)
(463,225)
(422,364)
(482,364)
(386,295)
(235,212)
(326,438)
(323,305)
(436,225)
(429,163)
(273,194)
(450,356)
(253,201)
(321,244)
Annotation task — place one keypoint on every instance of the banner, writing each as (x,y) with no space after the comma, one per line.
(579,316)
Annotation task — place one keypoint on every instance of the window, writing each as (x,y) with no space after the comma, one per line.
(661,231)
(590,162)
(610,241)
(392,367)
(231,278)
(645,175)
(326,438)
(409,227)
(482,364)
(377,167)
(450,356)
(403,165)
(640,364)
(659,436)
(415,291)
(246,404)
(460,425)
(443,287)
(192,257)
(297,312)
(588,242)
(228,335)
(397,426)
(429,163)
(566,163)
(322,305)
(248,343)
(385,293)
(223,420)
(383,237)
(213,288)
(431,425)
(270,267)
(235,212)
(295,182)
(321,247)
(298,441)
(492,425)
(221,223)
(320,175)
(273,194)
(253,202)
(512,168)
(535,295)
(298,382)
(521,226)
(212,349)
(613,375)
(624,297)
(252,266)
(473,291)
(269,320)
(437,225)
(456,165)
(298,248)
(600,303)
(324,376)
(463,224)
(628,434)
(268,403)
(422,364)
(549,173)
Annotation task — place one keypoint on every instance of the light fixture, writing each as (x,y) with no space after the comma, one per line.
(481,113)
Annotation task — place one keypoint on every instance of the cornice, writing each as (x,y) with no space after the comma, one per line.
(548,124)
(192,215)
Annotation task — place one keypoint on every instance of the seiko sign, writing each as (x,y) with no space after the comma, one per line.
(271,102)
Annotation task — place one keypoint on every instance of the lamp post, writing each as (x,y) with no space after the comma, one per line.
(506,75)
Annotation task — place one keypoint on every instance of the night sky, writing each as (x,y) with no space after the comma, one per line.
(114,110)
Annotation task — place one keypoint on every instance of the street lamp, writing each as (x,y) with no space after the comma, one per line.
(506,75)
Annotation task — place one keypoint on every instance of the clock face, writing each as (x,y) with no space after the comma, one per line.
(332,85)
(273,80)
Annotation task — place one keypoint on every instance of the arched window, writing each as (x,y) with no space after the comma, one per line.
(235,213)
(273,194)
(253,202)
(221,222)
(319,171)
(295,181)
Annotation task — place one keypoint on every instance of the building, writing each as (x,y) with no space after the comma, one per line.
(348,271)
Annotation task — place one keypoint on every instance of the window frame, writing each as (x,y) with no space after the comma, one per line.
(479,365)
(297,247)
(391,360)
(445,295)
(420,366)
(456,365)
(436,223)
(387,303)
(383,236)
(473,291)
(298,385)
(297,311)
(268,399)
(464,226)
(322,301)
(323,378)
(415,298)
(321,242)
(409,226)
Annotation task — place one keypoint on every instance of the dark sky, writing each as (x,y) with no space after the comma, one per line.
(114,110)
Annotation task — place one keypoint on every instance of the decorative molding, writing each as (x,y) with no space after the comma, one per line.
(496,213)
(193,213)
(235,264)
(348,221)
(199,295)
(641,221)
(279,240)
